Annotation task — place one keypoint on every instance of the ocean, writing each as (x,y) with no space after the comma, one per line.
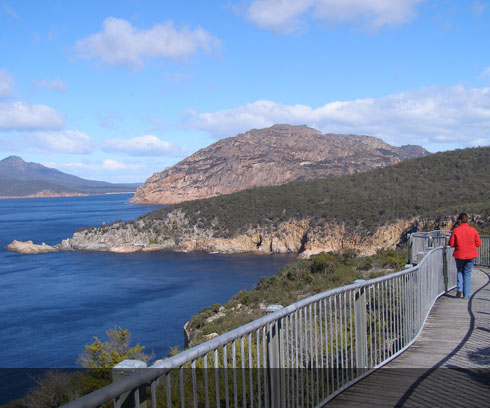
(52,305)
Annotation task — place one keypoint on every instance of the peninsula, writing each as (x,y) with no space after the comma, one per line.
(365,211)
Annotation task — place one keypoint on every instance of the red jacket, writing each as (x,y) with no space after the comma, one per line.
(465,240)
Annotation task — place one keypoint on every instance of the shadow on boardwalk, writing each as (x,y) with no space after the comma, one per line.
(448,365)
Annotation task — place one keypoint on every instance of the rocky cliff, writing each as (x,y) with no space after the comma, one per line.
(295,236)
(266,157)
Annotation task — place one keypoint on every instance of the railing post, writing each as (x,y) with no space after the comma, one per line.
(122,370)
(410,249)
(360,328)
(445,269)
(274,357)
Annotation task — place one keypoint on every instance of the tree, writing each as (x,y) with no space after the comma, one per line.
(99,357)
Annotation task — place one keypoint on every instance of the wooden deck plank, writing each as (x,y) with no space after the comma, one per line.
(448,365)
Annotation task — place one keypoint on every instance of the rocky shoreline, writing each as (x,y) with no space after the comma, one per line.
(28,247)
(175,234)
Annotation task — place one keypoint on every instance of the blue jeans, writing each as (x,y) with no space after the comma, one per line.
(464,267)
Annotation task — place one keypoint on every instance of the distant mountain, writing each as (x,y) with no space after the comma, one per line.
(267,157)
(21,179)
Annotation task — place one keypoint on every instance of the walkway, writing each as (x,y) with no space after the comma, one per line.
(448,365)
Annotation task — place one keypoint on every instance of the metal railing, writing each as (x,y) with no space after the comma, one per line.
(301,355)
(484,251)
(420,242)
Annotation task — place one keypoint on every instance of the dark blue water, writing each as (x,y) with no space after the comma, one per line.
(51,305)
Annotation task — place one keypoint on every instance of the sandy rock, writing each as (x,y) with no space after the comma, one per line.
(210,336)
(126,249)
(28,247)
(214,317)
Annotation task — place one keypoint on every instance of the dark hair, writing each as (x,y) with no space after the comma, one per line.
(463,217)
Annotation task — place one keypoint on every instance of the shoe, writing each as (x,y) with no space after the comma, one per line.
(459,294)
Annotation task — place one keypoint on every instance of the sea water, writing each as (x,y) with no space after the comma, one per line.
(53,304)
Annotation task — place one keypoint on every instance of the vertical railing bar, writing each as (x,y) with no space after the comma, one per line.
(351,326)
(312,357)
(327,353)
(244,387)
(383,319)
(390,317)
(336,342)
(316,365)
(405,311)
(374,324)
(117,402)
(181,381)
(369,327)
(153,390)
(395,316)
(168,390)
(298,367)
(399,313)
(233,354)
(301,351)
(216,377)
(287,360)
(225,364)
(341,335)
(250,367)
(137,397)
(264,355)
(194,385)
(332,364)
(346,368)
(322,365)
(282,365)
(259,381)
(206,384)
(307,366)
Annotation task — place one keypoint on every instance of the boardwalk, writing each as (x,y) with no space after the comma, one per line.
(448,365)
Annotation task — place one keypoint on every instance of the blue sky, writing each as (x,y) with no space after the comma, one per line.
(118,90)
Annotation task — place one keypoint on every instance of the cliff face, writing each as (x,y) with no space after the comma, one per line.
(266,157)
(295,236)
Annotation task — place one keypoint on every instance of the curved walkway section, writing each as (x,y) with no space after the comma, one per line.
(447,366)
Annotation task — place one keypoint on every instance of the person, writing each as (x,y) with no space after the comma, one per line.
(465,240)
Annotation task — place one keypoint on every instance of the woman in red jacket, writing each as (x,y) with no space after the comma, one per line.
(465,240)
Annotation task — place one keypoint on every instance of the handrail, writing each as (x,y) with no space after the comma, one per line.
(322,344)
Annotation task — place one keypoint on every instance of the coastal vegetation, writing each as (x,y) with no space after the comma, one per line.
(58,387)
(295,281)
(434,186)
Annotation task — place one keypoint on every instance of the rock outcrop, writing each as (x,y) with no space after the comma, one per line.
(266,157)
(28,247)
(294,236)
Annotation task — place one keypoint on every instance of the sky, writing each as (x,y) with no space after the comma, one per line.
(118,90)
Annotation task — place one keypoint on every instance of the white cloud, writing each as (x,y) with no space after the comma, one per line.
(9,11)
(478,8)
(147,145)
(54,84)
(66,141)
(22,116)
(285,15)
(486,72)
(119,43)
(278,15)
(6,83)
(434,115)
(110,164)
(107,164)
